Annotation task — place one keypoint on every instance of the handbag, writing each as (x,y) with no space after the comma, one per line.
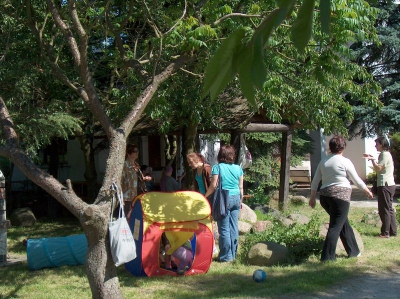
(245,159)
(219,208)
(122,244)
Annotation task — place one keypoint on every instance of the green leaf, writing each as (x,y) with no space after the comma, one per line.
(302,26)
(325,15)
(219,69)
(245,78)
(286,5)
(259,43)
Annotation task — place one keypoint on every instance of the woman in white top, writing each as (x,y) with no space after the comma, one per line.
(335,194)
(386,187)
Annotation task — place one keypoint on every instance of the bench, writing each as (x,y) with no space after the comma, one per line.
(300,174)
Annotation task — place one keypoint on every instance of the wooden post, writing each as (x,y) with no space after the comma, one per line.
(235,142)
(4,224)
(285,169)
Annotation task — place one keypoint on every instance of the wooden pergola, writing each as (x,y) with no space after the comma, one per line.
(237,118)
(286,150)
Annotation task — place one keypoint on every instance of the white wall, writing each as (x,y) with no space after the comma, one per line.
(354,150)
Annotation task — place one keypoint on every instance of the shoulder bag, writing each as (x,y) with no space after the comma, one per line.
(122,244)
(219,208)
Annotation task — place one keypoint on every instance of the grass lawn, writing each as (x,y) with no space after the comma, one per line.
(222,280)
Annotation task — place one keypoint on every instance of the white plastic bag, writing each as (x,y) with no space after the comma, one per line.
(122,244)
(245,160)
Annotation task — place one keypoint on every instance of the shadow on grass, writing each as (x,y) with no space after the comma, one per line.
(229,281)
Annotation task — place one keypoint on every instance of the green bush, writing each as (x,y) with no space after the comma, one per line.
(371,178)
(395,151)
(257,196)
(302,240)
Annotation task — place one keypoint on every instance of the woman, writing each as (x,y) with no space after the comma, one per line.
(232,180)
(386,187)
(201,172)
(132,182)
(335,194)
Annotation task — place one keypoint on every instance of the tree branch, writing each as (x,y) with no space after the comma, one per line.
(7,125)
(12,151)
(242,15)
(141,103)
(180,19)
(65,30)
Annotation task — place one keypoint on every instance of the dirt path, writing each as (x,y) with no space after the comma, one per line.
(358,198)
(369,285)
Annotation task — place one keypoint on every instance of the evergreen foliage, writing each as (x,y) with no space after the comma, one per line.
(382,61)
(264,174)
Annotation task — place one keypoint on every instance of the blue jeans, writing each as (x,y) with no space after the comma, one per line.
(228,230)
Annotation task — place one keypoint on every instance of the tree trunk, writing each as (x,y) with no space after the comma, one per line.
(100,268)
(189,135)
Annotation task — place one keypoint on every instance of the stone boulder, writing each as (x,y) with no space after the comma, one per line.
(299,200)
(262,225)
(22,217)
(244,227)
(286,221)
(247,214)
(372,219)
(267,254)
(340,248)
(299,218)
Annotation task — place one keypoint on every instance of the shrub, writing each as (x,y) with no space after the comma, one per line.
(302,240)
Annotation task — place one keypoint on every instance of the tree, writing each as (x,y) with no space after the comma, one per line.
(297,72)
(65,30)
(382,61)
(113,58)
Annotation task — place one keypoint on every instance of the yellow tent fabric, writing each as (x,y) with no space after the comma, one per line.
(181,206)
(177,239)
(178,213)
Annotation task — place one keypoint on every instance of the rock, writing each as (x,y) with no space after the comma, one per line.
(247,214)
(275,195)
(299,218)
(261,226)
(22,217)
(267,254)
(340,248)
(244,227)
(372,219)
(286,221)
(298,200)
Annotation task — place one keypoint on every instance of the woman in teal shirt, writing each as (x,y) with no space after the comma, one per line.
(232,180)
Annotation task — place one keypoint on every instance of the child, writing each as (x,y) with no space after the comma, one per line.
(183,254)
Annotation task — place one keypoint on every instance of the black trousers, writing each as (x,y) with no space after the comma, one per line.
(339,226)
(386,211)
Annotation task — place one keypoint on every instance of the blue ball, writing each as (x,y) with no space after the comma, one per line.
(259,275)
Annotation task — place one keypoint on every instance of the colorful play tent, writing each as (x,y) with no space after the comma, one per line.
(183,216)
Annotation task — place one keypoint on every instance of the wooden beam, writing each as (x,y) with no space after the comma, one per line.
(285,169)
(266,128)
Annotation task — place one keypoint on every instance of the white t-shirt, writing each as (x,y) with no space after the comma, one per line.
(334,170)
